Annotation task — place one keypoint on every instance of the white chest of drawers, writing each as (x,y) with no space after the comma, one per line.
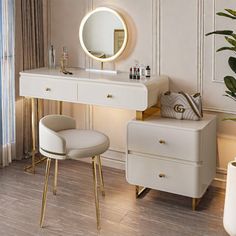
(176,156)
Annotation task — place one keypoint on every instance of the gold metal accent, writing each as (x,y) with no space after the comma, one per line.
(31,168)
(162,141)
(59,104)
(81,37)
(44,199)
(142,115)
(162,175)
(47,89)
(179,108)
(94,165)
(141,191)
(109,96)
(55,178)
(101,175)
(195,202)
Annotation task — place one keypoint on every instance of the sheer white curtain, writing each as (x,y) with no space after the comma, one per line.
(7,85)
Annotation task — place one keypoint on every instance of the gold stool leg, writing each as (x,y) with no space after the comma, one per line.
(45,192)
(55,178)
(94,165)
(101,175)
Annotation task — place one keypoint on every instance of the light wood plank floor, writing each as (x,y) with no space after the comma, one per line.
(72,211)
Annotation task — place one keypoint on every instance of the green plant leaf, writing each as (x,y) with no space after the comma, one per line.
(233,35)
(232,63)
(222,32)
(227,48)
(231,41)
(230,93)
(232,12)
(230,83)
(225,15)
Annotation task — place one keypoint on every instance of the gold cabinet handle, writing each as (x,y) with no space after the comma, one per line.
(109,95)
(162,175)
(162,141)
(47,89)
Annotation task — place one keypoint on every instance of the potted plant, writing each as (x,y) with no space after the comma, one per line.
(229,218)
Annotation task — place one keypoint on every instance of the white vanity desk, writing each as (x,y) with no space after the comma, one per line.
(112,90)
(117,91)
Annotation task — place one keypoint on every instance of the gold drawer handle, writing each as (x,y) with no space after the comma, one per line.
(47,89)
(162,175)
(162,141)
(109,95)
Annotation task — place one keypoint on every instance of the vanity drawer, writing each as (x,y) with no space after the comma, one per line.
(163,141)
(46,88)
(164,175)
(113,95)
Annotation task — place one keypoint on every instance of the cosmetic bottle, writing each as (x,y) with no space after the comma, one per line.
(64,59)
(138,74)
(51,58)
(142,71)
(131,73)
(148,72)
(135,73)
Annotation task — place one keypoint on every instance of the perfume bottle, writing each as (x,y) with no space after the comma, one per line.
(64,59)
(51,58)
(148,72)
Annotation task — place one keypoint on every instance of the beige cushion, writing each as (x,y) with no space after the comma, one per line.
(84,143)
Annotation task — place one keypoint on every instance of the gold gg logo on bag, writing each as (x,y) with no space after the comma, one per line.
(179,108)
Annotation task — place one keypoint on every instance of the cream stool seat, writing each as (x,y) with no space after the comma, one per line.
(84,143)
(60,140)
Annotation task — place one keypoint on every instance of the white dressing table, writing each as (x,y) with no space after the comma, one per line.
(112,90)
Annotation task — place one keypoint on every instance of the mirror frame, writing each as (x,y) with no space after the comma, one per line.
(84,20)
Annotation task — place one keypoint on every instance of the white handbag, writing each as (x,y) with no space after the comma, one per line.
(181,106)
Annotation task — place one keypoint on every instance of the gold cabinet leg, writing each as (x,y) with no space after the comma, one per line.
(94,165)
(55,178)
(44,199)
(195,202)
(140,191)
(101,175)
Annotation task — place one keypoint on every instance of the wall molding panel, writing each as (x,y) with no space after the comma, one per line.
(171,43)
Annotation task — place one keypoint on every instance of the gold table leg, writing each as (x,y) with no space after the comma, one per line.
(31,168)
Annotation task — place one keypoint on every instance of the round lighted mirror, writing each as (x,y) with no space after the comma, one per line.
(103,34)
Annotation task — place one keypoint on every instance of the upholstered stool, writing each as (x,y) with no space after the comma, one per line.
(60,140)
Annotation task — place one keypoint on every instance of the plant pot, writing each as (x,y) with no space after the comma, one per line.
(230,200)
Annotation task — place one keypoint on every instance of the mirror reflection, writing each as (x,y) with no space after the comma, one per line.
(103,34)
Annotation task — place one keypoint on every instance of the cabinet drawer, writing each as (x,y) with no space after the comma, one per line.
(163,141)
(119,96)
(47,88)
(156,173)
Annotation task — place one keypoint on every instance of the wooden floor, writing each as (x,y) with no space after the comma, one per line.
(72,211)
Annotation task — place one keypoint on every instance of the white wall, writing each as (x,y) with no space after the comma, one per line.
(168,35)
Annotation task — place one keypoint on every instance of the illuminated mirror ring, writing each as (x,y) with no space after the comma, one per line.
(103,34)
